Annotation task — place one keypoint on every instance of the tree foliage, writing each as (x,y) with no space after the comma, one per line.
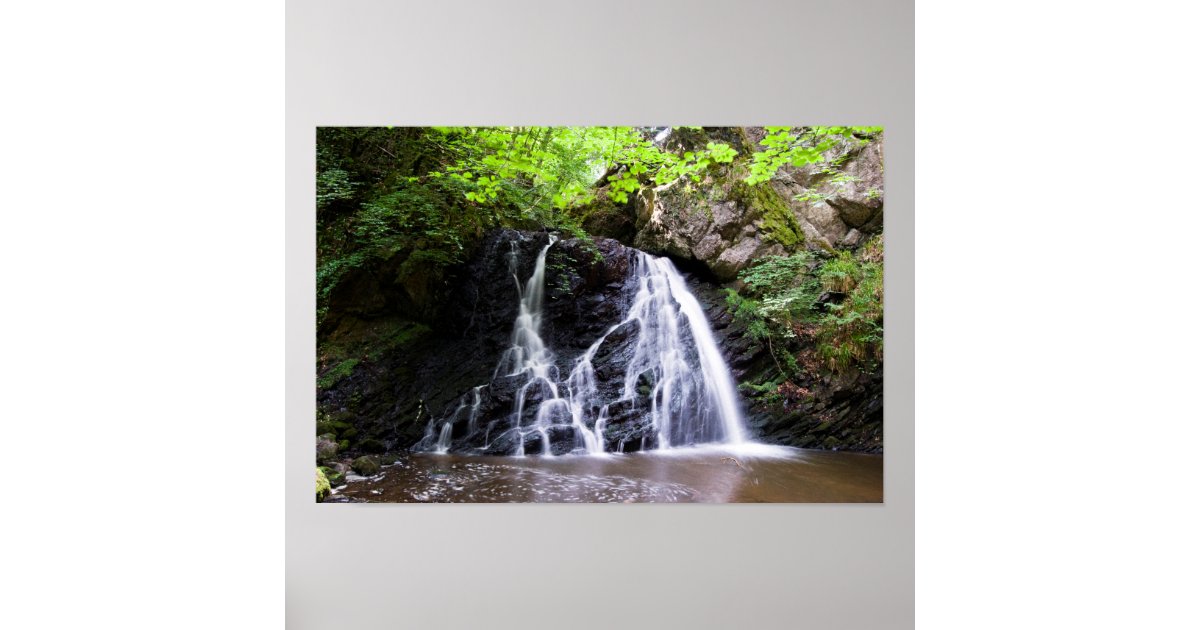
(423,195)
(784,146)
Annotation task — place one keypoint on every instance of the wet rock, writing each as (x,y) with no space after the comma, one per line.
(366,465)
(327,449)
(563,439)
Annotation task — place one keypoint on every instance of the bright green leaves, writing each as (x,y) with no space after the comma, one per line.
(784,146)
(643,160)
(846,132)
(621,184)
(721,153)
(555,167)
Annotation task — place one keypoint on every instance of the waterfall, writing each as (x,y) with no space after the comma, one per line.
(443,443)
(474,417)
(691,396)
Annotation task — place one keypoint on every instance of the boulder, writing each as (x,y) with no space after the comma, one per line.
(366,465)
(327,449)
(335,472)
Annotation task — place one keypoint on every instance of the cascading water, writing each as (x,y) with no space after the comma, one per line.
(693,398)
(675,369)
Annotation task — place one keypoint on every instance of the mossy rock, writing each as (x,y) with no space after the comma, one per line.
(387,459)
(344,445)
(335,473)
(371,445)
(366,465)
(775,217)
(335,374)
(323,487)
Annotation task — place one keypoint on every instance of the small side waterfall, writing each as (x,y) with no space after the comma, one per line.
(675,369)
(443,443)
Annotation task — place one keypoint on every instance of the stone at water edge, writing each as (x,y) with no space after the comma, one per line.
(365,465)
(335,472)
(323,488)
(326,449)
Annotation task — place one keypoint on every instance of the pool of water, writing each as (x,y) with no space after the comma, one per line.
(749,473)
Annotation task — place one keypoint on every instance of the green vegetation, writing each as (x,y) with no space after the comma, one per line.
(851,331)
(799,146)
(421,197)
(835,300)
(323,488)
(339,371)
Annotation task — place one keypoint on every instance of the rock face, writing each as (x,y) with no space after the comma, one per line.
(724,224)
(840,203)
(397,385)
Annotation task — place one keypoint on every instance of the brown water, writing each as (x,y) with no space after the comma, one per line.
(743,474)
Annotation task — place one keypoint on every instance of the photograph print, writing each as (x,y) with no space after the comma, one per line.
(599,314)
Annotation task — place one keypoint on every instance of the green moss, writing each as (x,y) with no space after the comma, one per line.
(337,373)
(371,445)
(323,488)
(401,336)
(334,474)
(775,217)
(325,425)
(365,341)
(365,465)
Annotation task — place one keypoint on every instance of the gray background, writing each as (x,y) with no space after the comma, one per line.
(600,566)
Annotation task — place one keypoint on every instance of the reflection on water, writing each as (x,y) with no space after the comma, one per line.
(746,474)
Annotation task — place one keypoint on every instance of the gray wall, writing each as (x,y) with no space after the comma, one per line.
(600,566)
